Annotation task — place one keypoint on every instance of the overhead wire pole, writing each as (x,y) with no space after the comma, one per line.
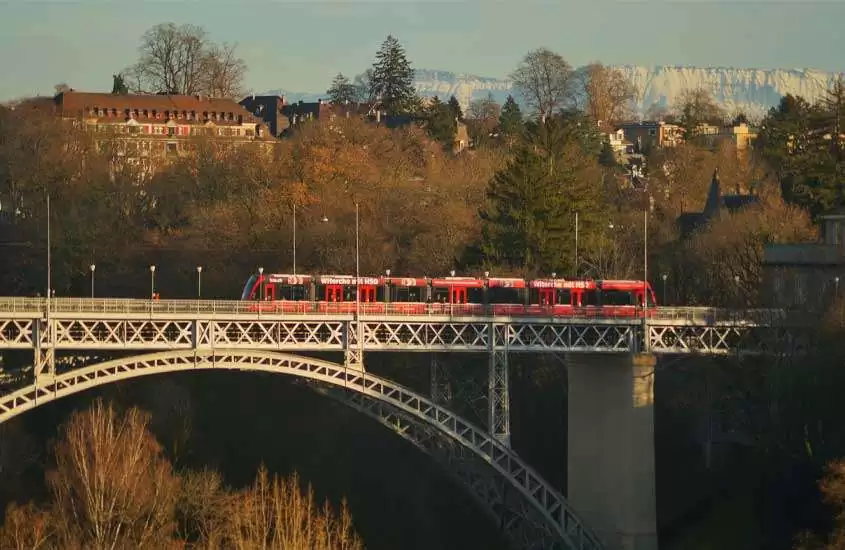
(576,244)
(294,238)
(49,259)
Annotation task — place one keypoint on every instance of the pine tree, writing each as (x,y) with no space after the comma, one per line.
(440,122)
(607,157)
(392,79)
(341,91)
(455,109)
(119,85)
(511,123)
(530,221)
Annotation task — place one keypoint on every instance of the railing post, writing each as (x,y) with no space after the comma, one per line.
(498,397)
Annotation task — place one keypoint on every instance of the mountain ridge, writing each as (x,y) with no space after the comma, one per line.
(752,91)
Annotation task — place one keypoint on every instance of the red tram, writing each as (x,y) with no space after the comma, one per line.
(448,295)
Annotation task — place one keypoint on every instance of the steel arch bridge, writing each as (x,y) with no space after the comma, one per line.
(413,416)
(194,335)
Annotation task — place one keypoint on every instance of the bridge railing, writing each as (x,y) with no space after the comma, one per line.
(695,315)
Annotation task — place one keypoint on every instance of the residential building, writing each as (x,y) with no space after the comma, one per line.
(739,133)
(651,135)
(269,109)
(716,204)
(151,129)
(807,276)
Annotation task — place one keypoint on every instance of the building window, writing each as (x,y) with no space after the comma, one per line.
(652,132)
(171,131)
(172,148)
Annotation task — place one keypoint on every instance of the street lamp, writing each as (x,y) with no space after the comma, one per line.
(93,267)
(199,281)
(664,277)
(357,276)
(836,283)
(152,281)
(261,283)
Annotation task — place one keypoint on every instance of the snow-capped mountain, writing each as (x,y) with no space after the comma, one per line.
(752,91)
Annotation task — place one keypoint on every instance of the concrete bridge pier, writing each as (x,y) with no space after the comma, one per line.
(610,468)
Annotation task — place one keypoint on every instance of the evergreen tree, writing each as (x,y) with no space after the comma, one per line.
(392,79)
(511,123)
(440,122)
(800,142)
(119,85)
(607,157)
(455,109)
(530,222)
(342,90)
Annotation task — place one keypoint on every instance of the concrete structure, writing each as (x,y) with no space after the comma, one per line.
(268,108)
(610,457)
(807,275)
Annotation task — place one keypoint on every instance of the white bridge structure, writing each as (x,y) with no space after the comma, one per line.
(609,361)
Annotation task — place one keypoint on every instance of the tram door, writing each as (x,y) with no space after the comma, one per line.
(546,296)
(269,292)
(458,295)
(334,293)
(367,293)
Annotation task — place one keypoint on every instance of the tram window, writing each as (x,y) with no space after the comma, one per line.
(475,295)
(564,297)
(295,292)
(499,295)
(617,298)
(440,294)
(589,298)
(407,294)
(348,293)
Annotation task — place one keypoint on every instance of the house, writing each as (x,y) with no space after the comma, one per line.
(618,144)
(269,109)
(716,204)
(739,133)
(650,135)
(807,276)
(147,130)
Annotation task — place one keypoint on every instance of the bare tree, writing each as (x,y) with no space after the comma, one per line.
(605,93)
(482,118)
(695,107)
(25,528)
(275,513)
(112,486)
(224,72)
(545,81)
(182,60)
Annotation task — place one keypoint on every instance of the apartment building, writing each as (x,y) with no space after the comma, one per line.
(148,130)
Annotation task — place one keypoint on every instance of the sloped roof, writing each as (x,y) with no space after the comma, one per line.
(74,103)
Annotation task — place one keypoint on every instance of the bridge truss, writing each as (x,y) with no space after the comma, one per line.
(199,334)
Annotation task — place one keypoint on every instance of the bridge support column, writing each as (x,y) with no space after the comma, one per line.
(353,349)
(44,358)
(498,394)
(610,458)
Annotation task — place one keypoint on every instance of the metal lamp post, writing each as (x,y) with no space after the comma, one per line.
(92,267)
(664,277)
(199,281)
(261,282)
(152,282)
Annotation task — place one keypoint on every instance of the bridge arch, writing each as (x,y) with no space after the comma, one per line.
(545,500)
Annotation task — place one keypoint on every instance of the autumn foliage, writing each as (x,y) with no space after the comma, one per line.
(112,487)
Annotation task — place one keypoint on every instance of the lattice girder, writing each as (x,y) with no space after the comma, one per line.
(525,529)
(17,333)
(548,502)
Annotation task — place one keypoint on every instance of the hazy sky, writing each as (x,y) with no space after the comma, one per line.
(299,46)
